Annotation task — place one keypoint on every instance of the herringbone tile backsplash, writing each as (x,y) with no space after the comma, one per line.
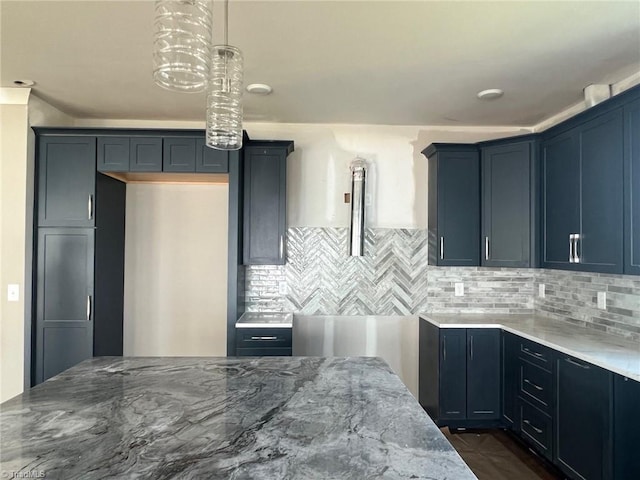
(392,278)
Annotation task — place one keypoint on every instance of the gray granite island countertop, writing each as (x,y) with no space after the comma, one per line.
(225,418)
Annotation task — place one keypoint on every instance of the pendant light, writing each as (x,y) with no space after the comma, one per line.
(224,94)
(181,47)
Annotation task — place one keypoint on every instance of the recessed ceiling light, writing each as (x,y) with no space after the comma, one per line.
(24,83)
(259,88)
(490,94)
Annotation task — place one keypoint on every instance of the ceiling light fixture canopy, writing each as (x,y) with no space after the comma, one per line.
(490,94)
(181,46)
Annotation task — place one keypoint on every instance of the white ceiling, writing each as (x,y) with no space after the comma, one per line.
(360,62)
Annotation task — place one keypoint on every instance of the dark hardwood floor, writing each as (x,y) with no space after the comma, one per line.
(495,455)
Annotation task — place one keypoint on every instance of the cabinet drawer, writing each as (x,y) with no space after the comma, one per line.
(263,352)
(263,338)
(536,428)
(536,353)
(536,385)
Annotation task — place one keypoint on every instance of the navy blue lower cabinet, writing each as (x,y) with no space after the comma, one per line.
(459,375)
(510,380)
(263,342)
(626,428)
(583,443)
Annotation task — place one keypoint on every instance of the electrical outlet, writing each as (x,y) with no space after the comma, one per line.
(602,300)
(13,292)
(459,289)
(283,289)
(541,290)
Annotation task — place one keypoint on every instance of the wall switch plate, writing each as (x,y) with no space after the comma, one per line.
(541,290)
(459,289)
(13,292)
(602,300)
(282,288)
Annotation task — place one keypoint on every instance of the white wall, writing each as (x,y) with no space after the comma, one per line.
(13,237)
(175,300)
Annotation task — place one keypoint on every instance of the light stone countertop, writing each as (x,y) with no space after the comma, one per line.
(265,320)
(613,353)
(224,418)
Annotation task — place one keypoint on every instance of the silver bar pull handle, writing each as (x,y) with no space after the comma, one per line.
(572,362)
(531,425)
(441,248)
(471,347)
(88,307)
(281,246)
(90,207)
(571,257)
(576,242)
(264,338)
(525,349)
(444,350)
(537,387)
(486,248)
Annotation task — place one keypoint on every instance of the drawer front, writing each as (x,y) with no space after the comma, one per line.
(536,428)
(263,338)
(536,385)
(536,353)
(263,352)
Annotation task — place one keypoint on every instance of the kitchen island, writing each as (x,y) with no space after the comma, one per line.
(238,418)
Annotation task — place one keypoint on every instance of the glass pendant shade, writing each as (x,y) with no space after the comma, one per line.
(224,98)
(181,47)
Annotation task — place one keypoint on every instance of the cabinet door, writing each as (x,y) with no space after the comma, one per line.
(483,374)
(561,198)
(626,427)
(66,181)
(264,205)
(506,205)
(583,420)
(179,154)
(113,154)
(145,154)
(510,378)
(632,188)
(458,208)
(601,145)
(210,160)
(453,371)
(64,299)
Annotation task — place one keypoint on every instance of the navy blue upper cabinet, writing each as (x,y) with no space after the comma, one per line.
(113,154)
(508,204)
(145,154)
(632,188)
(561,199)
(66,181)
(582,196)
(210,160)
(454,204)
(178,154)
(265,207)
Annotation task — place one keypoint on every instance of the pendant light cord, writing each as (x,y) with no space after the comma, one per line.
(226,22)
